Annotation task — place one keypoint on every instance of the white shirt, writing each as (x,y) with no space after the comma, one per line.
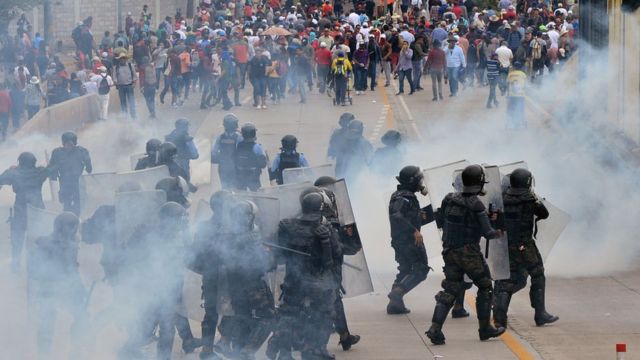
(91,86)
(407,36)
(354,19)
(97,79)
(554,35)
(504,56)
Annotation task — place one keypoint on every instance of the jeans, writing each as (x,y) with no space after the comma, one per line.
(300,79)
(386,67)
(360,74)
(17,107)
(417,73)
(502,83)
(149,93)
(242,70)
(471,73)
(492,91)
(207,90)
(340,83)
(402,74)
(372,73)
(127,99)
(274,88)
(259,89)
(452,74)
(186,81)
(158,76)
(223,88)
(515,113)
(4,124)
(436,82)
(323,71)
(32,110)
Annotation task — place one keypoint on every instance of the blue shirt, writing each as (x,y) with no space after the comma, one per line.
(216,145)
(455,57)
(192,150)
(276,161)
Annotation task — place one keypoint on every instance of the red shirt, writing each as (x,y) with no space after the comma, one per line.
(436,59)
(457,10)
(323,56)
(5,101)
(326,9)
(241,52)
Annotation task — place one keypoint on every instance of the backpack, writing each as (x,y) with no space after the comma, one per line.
(104,88)
(536,50)
(340,68)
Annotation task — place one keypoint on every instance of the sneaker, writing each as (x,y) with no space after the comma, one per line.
(264,107)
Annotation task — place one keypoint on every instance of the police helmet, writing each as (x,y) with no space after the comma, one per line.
(248,131)
(345,119)
(244,213)
(356,128)
(153,145)
(312,204)
(230,122)
(219,199)
(289,142)
(521,179)
(323,181)
(410,176)
(66,224)
(182,123)
(27,160)
(69,137)
(172,213)
(391,138)
(167,151)
(473,179)
(175,188)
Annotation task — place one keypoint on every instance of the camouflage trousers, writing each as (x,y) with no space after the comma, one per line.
(524,261)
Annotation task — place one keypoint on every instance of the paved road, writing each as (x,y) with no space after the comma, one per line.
(595,312)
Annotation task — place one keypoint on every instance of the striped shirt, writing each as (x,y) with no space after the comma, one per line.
(492,69)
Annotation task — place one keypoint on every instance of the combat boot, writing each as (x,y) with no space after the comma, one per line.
(189,345)
(347,340)
(501,302)
(207,353)
(458,312)
(435,334)
(541,317)
(396,303)
(487,331)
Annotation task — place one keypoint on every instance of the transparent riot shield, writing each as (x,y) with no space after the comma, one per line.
(268,217)
(289,196)
(438,181)
(506,171)
(134,209)
(356,278)
(497,251)
(100,189)
(302,174)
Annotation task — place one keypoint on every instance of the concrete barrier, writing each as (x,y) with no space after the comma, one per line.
(71,115)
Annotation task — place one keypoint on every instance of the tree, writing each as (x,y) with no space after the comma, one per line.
(10,9)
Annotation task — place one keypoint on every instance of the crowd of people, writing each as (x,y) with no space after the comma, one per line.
(285,49)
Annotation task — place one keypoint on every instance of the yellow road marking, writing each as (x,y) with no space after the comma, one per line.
(512,342)
(385,100)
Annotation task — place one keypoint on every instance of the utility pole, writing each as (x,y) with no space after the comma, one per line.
(189,9)
(48,22)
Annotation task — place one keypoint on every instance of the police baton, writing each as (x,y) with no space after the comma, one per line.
(272,245)
(486,246)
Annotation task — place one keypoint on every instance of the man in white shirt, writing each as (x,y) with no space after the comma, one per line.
(354,19)
(104,82)
(554,35)
(505,55)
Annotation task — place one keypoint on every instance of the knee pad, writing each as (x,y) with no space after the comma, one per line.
(537,273)
(484,283)
(538,280)
(420,270)
(446,298)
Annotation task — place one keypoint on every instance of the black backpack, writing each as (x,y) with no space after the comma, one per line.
(104,88)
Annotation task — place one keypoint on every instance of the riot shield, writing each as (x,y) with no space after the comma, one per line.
(289,196)
(438,182)
(550,229)
(302,174)
(136,208)
(268,217)
(39,223)
(100,189)
(356,278)
(498,248)
(192,305)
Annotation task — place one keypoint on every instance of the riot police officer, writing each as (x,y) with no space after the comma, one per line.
(66,165)
(167,156)
(356,152)
(522,210)
(306,314)
(206,262)
(151,160)
(185,148)
(389,156)
(246,262)
(250,159)
(224,149)
(337,140)
(406,218)
(53,267)
(26,180)
(349,244)
(464,219)
(288,158)
(176,189)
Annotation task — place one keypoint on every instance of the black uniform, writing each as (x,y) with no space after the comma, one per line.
(521,211)
(223,154)
(147,162)
(305,317)
(67,165)
(182,140)
(250,159)
(26,182)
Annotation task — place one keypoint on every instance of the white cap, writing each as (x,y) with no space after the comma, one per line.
(323,44)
